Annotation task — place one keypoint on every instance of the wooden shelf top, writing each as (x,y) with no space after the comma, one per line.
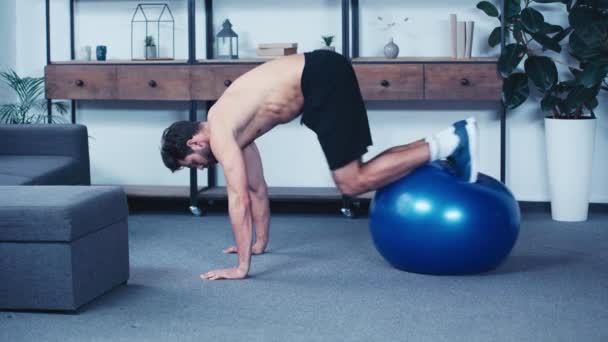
(121,61)
(360,60)
(425,60)
(235,61)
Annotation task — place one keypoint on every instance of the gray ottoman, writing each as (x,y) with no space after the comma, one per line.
(61,246)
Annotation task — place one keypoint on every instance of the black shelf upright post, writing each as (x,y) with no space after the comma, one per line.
(503,112)
(348,203)
(355,27)
(49,103)
(194,208)
(345,33)
(72,53)
(209,42)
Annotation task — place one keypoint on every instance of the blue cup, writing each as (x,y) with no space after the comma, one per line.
(101,52)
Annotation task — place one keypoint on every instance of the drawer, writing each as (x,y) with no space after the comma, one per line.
(390,81)
(80,82)
(210,81)
(474,81)
(141,82)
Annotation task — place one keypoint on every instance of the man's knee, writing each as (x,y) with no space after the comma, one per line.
(351,185)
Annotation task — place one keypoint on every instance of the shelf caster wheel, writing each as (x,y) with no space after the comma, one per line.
(196,211)
(350,208)
(348,212)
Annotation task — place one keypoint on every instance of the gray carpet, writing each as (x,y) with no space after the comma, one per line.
(322,280)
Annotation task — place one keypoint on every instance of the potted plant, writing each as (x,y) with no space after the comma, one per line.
(150,48)
(567,104)
(30,108)
(327,41)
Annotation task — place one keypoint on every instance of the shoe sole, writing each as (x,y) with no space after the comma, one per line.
(472,135)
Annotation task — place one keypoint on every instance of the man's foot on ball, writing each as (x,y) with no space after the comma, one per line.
(465,157)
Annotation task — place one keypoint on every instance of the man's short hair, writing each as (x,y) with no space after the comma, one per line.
(174,143)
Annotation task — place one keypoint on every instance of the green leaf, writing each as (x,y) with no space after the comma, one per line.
(532,19)
(515,90)
(593,74)
(590,41)
(494,38)
(581,16)
(510,58)
(547,28)
(578,96)
(518,29)
(549,102)
(542,71)
(592,104)
(546,41)
(488,8)
(513,8)
(563,34)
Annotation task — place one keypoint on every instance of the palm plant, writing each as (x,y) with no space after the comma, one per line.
(30,108)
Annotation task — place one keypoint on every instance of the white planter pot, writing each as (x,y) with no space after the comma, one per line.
(151,52)
(570,145)
(330,48)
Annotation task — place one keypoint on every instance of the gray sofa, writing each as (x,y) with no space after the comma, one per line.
(63,242)
(61,246)
(55,154)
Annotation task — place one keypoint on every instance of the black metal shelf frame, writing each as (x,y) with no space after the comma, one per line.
(349,15)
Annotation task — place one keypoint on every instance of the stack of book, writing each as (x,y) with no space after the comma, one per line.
(272,50)
(461,37)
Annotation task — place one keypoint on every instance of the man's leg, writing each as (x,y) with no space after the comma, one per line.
(358,177)
(458,142)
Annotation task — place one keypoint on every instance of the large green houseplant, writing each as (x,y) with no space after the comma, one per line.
(568,102)
(30,106)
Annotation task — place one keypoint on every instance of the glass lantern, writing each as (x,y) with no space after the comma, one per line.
(227,42)
(152,32)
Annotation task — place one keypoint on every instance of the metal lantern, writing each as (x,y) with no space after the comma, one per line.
(152,32)
(227,42)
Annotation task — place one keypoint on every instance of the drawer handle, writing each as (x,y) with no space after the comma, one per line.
(385,83)
(465,82)
(227,83)
(79,83)
(152,83)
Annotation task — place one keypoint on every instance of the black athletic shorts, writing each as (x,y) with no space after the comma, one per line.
(334,108)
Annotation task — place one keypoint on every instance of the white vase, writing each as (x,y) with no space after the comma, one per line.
(391,50)
(570,145)
(330,48)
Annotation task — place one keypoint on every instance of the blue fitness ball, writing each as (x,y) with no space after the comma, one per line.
(432,222)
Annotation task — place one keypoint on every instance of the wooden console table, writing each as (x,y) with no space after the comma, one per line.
(195,80)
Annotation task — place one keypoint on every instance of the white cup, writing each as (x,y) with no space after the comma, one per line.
(85,53)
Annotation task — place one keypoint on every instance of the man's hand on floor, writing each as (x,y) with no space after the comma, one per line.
(227,273)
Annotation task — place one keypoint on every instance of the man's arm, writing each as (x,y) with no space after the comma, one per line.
(258,193)
(230,156)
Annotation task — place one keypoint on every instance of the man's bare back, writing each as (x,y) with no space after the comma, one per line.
(262,98)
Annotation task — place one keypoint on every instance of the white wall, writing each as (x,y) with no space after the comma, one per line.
(126,134)
(8,52)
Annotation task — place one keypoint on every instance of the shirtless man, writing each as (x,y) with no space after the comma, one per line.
(322,86)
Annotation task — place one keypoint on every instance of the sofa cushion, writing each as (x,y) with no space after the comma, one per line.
(58,213)
(47,170)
